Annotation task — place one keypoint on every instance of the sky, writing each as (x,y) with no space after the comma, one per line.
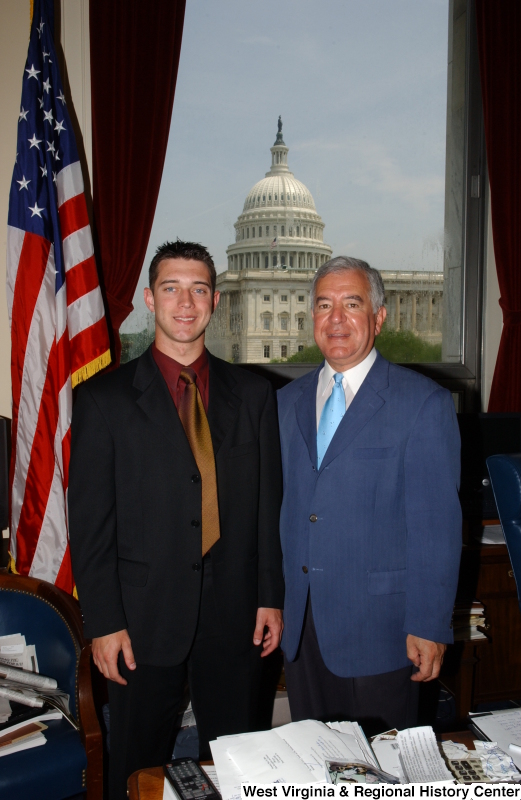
(361,86)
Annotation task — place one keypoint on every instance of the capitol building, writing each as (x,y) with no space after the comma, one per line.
(265,311)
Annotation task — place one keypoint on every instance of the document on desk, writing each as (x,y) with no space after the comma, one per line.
(421,757)
(230,777)
(503,727)
(355,739)
(266,758)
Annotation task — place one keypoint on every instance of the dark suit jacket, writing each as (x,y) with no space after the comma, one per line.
(378,527)
(134,491)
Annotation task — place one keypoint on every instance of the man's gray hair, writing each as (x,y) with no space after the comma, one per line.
(341,263)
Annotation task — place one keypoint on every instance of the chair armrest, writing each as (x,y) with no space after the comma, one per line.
(90,730)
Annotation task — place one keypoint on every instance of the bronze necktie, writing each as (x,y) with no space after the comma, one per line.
(193,416)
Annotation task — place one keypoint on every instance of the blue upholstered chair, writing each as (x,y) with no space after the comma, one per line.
(71,762)
(505,476)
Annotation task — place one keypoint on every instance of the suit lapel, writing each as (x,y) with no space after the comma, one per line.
(156,402)
(224,404)
(306,413)
(364,406)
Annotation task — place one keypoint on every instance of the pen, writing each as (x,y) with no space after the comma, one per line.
(515,748)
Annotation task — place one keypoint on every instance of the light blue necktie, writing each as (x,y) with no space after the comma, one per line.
(331,416)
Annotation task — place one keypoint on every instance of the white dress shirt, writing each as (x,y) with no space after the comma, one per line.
(351,382)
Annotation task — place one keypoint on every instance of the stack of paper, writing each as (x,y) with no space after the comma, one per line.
(14,652)
(294,753)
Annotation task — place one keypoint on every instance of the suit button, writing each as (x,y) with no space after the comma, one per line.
(195,523)
(305,570)
(313,518)
(196,567)
(195,478)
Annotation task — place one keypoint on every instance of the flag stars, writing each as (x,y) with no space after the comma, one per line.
(47,116)
(23,114)
(34,142)
(33,72)
(40,28)
(57,156)
(44,171)
(59,126)
(61,97)
(46,55)
(50,147)
(54,177)
(47,85)
(36,211)
(40,100)
(24,183)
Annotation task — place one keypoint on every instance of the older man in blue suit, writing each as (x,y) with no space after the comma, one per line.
(371,521)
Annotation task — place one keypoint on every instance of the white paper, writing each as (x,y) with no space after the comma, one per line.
(26,744)
(12,650)
(314,742)
(266,758)
(503,727)
(421,758)
(230,777)
(387,752)
(355,739)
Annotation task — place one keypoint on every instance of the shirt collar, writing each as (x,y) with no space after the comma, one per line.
(171,369)
(353,377)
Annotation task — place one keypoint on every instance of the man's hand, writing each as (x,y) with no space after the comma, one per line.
(270,618)
(426,655)
(105,650)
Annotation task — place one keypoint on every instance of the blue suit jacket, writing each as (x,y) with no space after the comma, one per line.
(382,558)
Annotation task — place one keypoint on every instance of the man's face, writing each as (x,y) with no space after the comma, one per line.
(181,300)
(344,322)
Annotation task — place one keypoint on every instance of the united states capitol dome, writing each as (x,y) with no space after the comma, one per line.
(279,225)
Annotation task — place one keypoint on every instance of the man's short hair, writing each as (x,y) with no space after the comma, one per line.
(342,263)
(190,251)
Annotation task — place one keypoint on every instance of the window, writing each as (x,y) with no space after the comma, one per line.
(266,323)
(300,348)
(267,298)
(300,323)
(284,351)
(247,233)
(291,231)
(235,353)
(291,261)
(282,230)
(274,261)
(253,233)
(260,231)
(284,298)
(422,218)
(301,298)
(266,351)
(274,230)
(284,323)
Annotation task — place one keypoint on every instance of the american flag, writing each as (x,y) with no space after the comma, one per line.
(273,244)
(59,332)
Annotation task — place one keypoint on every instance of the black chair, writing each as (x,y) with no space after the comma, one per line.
(505,477)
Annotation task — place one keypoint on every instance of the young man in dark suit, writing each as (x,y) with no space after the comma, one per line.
(174,499)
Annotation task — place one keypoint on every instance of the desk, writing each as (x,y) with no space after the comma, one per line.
(147,784)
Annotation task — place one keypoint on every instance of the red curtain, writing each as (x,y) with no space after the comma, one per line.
(499,41)
(135,47)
